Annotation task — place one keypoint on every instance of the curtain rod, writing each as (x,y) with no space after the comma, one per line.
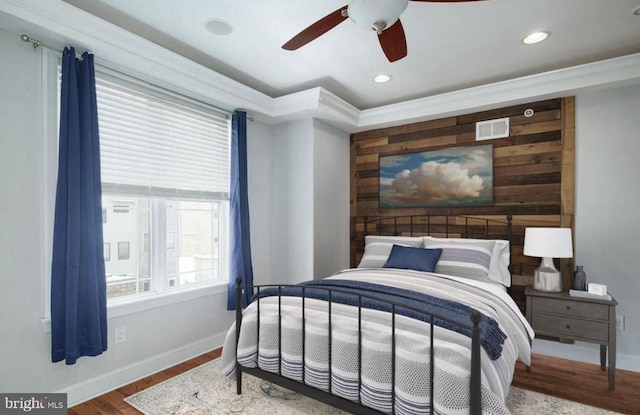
(36,44)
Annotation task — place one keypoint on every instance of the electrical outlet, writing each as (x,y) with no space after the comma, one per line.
(121,334)
(620,323)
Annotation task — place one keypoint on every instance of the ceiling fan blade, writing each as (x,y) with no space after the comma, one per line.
(393,42)
(316,30)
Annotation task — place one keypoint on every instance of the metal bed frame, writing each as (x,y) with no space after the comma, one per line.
(357,407)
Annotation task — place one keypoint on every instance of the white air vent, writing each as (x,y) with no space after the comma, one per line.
(487,130)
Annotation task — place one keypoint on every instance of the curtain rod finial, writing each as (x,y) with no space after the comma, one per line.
(27,38)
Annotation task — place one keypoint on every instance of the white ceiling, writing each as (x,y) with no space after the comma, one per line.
(450,46)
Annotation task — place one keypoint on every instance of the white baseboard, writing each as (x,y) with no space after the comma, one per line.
(99,385)
(107,382)
(584,352)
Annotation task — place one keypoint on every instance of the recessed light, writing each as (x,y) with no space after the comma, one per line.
(218,27)
(535,37)
(636,11)
(382,78)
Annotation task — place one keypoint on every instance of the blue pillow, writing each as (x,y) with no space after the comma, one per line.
(419,259)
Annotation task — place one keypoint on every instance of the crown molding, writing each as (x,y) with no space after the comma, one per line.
(608,73)
(59,24)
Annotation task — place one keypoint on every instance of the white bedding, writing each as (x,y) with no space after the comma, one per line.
(452,350)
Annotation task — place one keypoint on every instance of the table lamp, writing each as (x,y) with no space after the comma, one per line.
(548,243)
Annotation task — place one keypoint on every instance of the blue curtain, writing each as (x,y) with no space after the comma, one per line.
(240,261)
(78,283)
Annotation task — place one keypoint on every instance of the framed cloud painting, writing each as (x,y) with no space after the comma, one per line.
(452,177)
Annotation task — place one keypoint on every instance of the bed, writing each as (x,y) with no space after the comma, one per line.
(423,325)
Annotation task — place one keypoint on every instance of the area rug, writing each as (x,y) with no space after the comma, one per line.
(204,390)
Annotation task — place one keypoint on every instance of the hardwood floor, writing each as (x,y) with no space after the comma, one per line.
(112,403)
(576,381)
(581,382)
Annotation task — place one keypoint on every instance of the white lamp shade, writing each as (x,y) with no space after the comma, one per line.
(548,242)
(367,12)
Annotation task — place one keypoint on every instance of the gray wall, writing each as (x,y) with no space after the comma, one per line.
(308,200)
(23,348)
(608,200)
(607,221)
(261,176)
(331,200)
(292,203)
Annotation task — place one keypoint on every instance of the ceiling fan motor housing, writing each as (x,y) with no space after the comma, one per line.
(376,14)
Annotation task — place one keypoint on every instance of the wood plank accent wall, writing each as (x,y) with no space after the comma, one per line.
(533,174)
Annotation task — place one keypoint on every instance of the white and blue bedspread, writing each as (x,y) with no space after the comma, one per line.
(452,348)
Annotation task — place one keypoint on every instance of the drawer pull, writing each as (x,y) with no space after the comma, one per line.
(568,307)
(568,326)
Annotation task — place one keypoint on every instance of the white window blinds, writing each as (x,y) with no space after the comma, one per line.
(161,147)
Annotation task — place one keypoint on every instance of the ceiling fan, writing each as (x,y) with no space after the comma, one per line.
(383,16)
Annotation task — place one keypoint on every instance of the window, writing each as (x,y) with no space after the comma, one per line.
(192,254)
(123,250)
(165,183)
(165,186)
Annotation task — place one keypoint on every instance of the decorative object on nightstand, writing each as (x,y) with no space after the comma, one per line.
(548,243)
(579,279)
(598,289)
(584,318)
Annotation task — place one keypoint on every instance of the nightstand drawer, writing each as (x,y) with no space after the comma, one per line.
(571,308)
(565,326)
(562,316)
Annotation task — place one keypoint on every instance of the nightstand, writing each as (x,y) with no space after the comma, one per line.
(584,319)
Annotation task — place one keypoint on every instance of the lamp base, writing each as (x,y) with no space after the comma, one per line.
(547,277)
(546,280)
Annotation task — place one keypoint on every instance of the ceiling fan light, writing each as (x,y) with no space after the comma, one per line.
(371,14)
(535,37)
(379,26)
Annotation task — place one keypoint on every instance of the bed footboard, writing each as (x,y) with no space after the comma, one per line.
(340,402)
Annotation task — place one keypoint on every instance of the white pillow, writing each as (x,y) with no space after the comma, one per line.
(378,248)
(500,257)
(468,258)
(499,269)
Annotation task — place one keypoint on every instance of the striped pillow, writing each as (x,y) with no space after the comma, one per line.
(469,259)
(500,260)
(378,248)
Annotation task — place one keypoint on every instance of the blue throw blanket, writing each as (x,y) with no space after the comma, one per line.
(491,336)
